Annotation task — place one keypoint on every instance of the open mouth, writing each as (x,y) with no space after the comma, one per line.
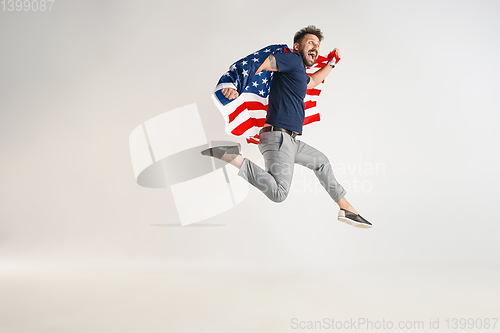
(312,55)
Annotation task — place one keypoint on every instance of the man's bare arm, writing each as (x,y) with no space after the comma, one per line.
(320,75)
(268,65)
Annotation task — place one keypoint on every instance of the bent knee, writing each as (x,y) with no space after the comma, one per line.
(278,199)
(322,160)
(279,195)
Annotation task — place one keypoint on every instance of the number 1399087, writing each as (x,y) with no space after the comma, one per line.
(27,5)
(471,323)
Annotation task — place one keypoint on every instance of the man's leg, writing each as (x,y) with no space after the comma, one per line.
(319,163)
(237,160)
(274,182)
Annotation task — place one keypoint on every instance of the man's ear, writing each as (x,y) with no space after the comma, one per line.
(296,46)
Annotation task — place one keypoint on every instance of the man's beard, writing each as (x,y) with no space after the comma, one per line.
(308,62)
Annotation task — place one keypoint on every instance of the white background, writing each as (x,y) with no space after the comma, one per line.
(415,98)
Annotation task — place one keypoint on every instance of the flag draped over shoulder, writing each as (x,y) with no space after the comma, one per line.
(246,115)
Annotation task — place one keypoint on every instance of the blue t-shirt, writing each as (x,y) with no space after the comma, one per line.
(288,89)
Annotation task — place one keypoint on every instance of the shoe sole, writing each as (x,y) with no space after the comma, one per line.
(238,146)
(354,223)
(207,152)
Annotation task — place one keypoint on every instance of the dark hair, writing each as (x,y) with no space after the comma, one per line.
(310,29)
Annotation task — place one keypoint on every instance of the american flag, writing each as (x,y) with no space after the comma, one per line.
(246,115)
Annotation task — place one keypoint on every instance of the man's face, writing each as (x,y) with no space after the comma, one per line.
(308,49)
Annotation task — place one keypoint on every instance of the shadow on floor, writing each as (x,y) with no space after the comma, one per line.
(186,226)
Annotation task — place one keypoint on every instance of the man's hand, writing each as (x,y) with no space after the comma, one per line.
(336,55)
(230,93)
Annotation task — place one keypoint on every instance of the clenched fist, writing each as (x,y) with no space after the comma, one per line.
(230,93)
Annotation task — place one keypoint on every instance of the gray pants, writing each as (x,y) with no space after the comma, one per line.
(280,152)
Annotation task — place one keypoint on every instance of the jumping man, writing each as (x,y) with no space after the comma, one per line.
(285,118)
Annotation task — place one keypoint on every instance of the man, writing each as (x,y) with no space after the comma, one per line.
(284,121)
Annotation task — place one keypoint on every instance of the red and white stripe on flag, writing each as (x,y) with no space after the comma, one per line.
(246,115)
